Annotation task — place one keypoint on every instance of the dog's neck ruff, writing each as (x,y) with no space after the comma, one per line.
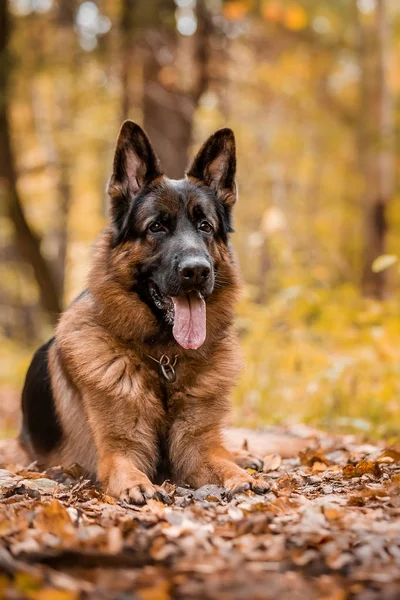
(166,367)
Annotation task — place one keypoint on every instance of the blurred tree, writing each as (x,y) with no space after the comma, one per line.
(65,89)
(27,241)
(376,142)
(53,134)
(349,49)
(127,33)
(175,73)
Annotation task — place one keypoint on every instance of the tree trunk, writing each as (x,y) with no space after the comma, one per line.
(375,145)
(128,35)
(167,117)
(27,242)
(65,86)
(175,75)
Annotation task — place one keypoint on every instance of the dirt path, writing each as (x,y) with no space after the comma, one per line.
(329,529)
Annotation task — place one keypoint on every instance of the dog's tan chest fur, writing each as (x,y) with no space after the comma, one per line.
(101,382)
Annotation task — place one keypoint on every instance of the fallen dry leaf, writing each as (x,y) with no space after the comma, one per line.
(392,453)
(54,594)
(332,512)
(272,462)
(161,591)
(327,530)
(362,468)
(318,466)
(309,456)
(54,518)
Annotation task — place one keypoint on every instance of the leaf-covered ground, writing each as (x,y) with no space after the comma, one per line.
(329,529)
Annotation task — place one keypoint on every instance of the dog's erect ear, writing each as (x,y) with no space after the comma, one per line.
(215,165)
(135,165)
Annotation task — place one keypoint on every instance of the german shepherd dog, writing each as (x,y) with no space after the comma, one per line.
(135,384)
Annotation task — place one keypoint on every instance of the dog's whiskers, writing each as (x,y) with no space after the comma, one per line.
(221,281)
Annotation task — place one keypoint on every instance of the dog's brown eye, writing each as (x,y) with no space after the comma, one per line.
(156,227)
(206,227)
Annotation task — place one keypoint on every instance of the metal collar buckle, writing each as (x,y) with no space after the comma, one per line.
(167,368)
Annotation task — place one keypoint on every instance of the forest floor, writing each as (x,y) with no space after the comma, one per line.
(328,529)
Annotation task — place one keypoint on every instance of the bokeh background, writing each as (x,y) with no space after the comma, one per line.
(311,89)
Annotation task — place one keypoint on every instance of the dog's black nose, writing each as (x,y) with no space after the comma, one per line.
(194,271)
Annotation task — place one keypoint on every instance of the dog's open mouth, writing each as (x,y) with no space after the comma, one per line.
(187,313)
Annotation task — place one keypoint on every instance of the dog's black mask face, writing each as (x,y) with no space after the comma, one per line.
(176,227)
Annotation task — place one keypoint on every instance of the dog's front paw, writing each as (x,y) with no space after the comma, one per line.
(260,486)
(138,493)
(243,482)
(123,480)
(135,490)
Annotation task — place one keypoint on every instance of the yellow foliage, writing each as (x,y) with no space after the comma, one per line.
(295,17)
(272,11)
(234,11)
(325,357)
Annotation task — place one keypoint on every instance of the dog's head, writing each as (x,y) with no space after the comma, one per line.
(174,232)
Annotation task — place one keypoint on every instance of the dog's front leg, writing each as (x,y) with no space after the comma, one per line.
(198,457)
(123,479)
(127,446)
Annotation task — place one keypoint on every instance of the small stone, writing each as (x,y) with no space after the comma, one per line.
(41,484)
(314,479)
(209,491)
(181,491)
(182,501)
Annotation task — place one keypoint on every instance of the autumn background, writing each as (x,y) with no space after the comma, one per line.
(311,89)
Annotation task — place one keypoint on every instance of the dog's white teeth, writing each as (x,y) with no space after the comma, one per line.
(159,303)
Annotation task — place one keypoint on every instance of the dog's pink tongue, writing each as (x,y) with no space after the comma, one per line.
(190,320)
